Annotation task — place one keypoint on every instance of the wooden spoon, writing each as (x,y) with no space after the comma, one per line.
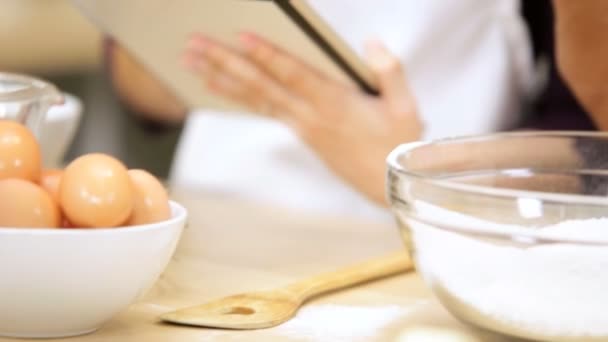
(270,308)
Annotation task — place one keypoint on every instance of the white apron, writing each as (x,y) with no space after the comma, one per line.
(467,61)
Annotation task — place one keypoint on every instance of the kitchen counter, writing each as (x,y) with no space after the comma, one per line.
(231,246)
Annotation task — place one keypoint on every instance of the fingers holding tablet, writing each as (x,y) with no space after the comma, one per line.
(232,74)
(289,71)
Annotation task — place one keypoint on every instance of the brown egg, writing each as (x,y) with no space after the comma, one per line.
(96,191)
(49,181)
(19,152)
(66,224)
(24,204)
(151,200)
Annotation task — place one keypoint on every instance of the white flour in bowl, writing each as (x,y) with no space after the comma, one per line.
(546,292)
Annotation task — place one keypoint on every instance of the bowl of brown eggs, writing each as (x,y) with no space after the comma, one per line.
(77,245)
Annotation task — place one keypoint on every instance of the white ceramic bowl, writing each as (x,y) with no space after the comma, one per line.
(57,283)
(58,129)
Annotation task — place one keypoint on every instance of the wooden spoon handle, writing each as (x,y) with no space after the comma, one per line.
(370,270)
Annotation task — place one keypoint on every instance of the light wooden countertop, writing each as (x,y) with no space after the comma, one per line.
(231,246)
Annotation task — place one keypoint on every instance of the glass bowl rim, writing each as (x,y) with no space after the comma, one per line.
(526,237)
(394,166)
(33,89)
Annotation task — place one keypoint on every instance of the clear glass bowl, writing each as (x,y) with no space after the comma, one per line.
(510,231)
(26,99)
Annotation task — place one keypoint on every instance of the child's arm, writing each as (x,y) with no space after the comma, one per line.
(582,53)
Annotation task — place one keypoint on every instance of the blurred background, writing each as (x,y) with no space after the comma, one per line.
(51,40)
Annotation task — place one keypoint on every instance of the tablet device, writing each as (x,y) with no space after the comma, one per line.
(155,33)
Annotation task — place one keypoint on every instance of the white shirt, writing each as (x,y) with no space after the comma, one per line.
(468,63)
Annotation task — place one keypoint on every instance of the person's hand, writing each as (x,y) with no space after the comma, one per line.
(352,132)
